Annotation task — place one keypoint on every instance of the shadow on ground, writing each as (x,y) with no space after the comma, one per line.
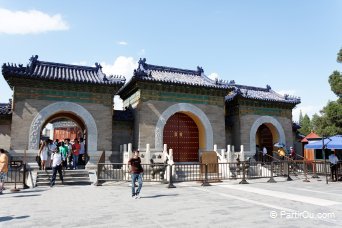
(8,218)
(159,195)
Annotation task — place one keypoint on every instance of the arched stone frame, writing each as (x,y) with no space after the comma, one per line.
(265,120)
(75,109)
(195,113)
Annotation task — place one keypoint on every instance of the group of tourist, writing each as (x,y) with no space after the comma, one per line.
(265,157)
(63,155)
(72,154)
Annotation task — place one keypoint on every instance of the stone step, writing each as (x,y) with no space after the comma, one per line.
(39,179)
(58,182)
(65,175)
(71,177)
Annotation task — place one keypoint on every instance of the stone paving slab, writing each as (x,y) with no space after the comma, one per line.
(224,204)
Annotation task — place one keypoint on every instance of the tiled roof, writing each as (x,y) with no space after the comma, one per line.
(123,115)
(6,108)
(311,136)
(257,93)
(172,75)
(197,77)
(60,72)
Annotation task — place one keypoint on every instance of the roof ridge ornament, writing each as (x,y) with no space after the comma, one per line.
(141,71)
(98,66)
(268,87)
(200,70)
(34,59)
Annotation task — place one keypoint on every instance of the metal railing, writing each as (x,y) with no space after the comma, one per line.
(17,173)
(206,173)
(121,172)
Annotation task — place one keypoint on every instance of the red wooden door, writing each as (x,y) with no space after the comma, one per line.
(181,135)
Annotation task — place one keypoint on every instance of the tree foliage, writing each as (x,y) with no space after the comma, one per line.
(300,117)
(305,125)
(335,81)
(330,121)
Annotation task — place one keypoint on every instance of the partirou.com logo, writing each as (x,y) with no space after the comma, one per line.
(301,215)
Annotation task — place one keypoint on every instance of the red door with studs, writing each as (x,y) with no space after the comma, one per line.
(181,135)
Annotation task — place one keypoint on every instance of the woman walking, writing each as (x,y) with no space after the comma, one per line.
(43,154)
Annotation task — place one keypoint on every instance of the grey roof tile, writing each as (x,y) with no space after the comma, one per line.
(62,72)
(172,75)
(6,108)
(257,93)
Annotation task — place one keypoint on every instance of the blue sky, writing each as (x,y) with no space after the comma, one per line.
(290,45)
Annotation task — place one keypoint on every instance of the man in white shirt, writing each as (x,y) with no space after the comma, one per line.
(56,163)
(333,166)
(264,154)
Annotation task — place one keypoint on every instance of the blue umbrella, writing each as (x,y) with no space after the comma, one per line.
(333,142)
(279,145)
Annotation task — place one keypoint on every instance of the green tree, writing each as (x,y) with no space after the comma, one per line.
(300,117)
(335,81)
(305,125)
(330,121)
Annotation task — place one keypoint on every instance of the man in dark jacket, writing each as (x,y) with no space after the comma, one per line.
(136,173)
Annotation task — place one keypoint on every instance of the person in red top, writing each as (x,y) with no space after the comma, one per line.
(75,152)
(292,153)
(136,173)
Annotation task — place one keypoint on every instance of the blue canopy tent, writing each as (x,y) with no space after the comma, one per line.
(333,142)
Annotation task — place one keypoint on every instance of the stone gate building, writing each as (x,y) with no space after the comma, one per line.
(162,105)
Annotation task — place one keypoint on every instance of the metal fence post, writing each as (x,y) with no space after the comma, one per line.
(288,172)
(243,181)
(25,186)
(305,172)
(97,183)
(171,185)
(314,170)
(271,180)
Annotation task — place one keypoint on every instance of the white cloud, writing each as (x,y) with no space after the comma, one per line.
(122,66)
(123,43)
(27,22)
(213,76)
(118,103)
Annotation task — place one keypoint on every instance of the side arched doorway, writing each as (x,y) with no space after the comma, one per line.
(263,130)
(182,135)
(265,138)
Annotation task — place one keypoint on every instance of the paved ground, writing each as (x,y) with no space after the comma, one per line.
(225,204)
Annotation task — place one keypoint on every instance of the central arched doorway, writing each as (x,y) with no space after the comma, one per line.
(181,134)
(63,128)
(65,125)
